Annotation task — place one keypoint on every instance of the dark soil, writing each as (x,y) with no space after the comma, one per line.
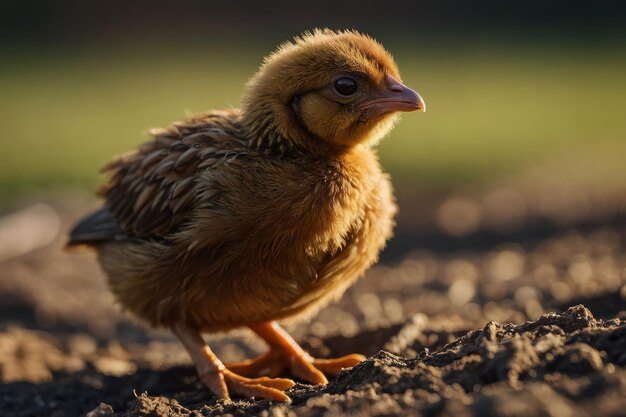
(488,321)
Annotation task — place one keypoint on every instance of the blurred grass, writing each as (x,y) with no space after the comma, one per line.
(493,111)
(497,111)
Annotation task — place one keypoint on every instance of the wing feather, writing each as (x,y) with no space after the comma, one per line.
(152,190)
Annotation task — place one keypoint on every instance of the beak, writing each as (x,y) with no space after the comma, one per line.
(396,97)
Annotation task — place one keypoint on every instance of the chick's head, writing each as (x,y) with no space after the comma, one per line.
(341,88)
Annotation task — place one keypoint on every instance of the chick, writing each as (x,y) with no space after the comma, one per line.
(239,218)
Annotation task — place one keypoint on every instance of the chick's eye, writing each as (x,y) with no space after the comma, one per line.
(345,86)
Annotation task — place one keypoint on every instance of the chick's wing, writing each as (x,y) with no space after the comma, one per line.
(152,190)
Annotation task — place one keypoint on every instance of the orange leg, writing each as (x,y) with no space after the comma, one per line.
(286,353)
(221,380)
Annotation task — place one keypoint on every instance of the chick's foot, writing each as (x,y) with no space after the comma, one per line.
(274,363)
(285,353)
(223,381)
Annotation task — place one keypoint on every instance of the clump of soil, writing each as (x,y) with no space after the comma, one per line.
(528,325)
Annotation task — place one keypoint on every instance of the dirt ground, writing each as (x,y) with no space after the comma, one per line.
(496,303)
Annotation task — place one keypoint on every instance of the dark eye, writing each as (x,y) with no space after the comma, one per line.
(346,86)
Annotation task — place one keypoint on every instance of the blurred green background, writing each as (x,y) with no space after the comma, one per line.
(523,91)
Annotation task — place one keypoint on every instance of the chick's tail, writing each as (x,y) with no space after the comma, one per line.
(97,227)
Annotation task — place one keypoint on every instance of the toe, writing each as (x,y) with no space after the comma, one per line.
(215,382)
(270,388)
(304,369)
(260,391)
(282,384)
(260,365)
(278,383)
(269,393)
(334,366)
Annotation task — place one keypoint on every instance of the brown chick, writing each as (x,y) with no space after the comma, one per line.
(244,217)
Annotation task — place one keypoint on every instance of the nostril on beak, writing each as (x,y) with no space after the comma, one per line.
(396,88)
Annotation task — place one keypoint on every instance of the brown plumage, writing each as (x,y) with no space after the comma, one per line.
(243,217)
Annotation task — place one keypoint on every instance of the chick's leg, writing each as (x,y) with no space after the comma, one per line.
(220,380)
(286,353)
